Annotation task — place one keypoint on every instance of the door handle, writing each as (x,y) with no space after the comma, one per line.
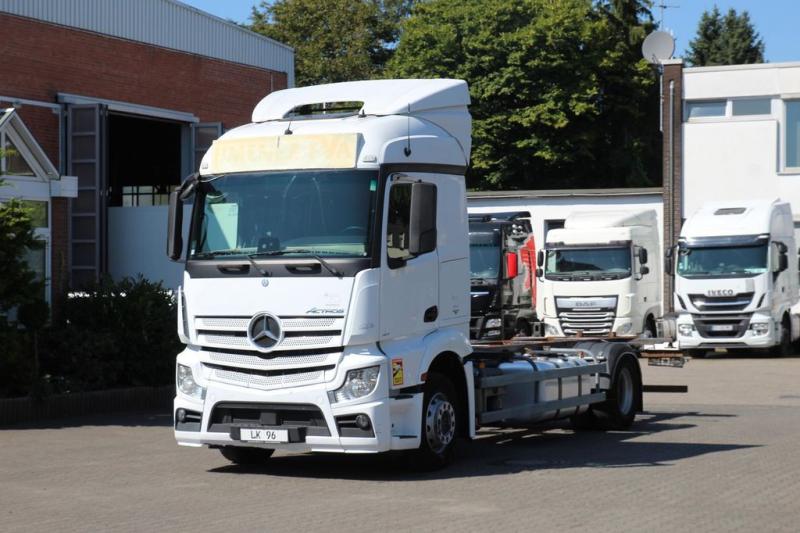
(307,268)
(431,314)
(234,269)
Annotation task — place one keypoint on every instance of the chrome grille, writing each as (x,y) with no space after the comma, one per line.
(586,316)
(309,332)
(738,302)
(257,381)
(272,362)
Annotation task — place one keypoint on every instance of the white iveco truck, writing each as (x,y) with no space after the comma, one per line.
(736,278)
(595,275)
(326,296)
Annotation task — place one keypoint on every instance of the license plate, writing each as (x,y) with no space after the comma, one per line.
(264,435)
(722,327)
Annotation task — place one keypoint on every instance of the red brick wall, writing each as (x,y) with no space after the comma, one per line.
(40,60)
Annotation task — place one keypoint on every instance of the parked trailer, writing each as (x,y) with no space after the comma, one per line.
(325,304)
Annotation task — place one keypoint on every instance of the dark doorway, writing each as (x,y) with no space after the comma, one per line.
(144,160)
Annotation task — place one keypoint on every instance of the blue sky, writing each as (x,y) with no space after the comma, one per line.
(775,20)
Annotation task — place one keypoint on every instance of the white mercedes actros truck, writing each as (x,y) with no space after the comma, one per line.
(325,303)
(600,275)
(736,278)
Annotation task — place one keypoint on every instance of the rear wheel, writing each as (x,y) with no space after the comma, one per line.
(439,418)
(246,456)
(649,331)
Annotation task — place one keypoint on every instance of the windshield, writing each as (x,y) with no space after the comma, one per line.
(729,261)
(588,263)
(484,255)
(319,212)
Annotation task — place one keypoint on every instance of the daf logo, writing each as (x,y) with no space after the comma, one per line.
(264,332)
(719,292)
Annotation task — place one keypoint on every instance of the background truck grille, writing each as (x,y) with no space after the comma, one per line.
(586,316)
(714,326)
(705,303)
(300,333)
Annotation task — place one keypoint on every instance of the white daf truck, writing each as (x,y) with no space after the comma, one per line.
(600,275)
(736,278)
(325,304)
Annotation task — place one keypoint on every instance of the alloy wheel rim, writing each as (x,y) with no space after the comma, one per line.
(440,423)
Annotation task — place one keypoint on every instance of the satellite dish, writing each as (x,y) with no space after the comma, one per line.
(658,46)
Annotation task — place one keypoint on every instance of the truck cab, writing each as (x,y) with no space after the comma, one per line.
(600,275)
(502,282)
(736,277)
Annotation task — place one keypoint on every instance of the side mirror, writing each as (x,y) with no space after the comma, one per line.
(644,270)
(422,224)
(783,262)
(539,258)
(539,272)
(175,226)
(512,265)
(668,253)
(643,256)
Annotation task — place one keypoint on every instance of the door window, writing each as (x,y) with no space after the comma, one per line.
(397,224)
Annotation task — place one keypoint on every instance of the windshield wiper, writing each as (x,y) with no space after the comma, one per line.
(330,268)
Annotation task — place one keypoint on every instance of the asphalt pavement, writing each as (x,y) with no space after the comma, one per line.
(723,457)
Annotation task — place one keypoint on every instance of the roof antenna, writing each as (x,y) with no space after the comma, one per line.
(288,128)
(407,149)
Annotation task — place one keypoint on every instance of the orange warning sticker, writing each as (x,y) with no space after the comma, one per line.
(397,371)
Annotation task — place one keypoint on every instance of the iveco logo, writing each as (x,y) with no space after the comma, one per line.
(719,292)
(264,332)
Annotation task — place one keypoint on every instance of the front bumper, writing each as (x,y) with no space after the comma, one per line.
(745,339)
(394,419)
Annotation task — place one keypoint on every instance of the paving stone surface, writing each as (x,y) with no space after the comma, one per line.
(724,457)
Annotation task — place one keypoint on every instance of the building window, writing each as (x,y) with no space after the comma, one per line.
(752,106)
(792,129)
(13,163)
(143,195)
(709,108)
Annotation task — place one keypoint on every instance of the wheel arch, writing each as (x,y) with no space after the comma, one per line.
(450,365)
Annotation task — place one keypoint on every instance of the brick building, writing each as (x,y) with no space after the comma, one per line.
(126,96)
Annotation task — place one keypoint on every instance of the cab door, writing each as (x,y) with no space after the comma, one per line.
(409,283)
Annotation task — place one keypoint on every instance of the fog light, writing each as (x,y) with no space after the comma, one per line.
(493,323)
(760,328)
(184,380)
(362,421)
(685,330)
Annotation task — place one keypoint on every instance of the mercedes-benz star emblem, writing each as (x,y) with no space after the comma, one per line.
(264,331)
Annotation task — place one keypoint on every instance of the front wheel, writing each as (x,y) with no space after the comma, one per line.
(785,348)
(241,455)
(439,419)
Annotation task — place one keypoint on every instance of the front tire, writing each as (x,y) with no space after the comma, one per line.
(785,349)
(439,423)
(241,455)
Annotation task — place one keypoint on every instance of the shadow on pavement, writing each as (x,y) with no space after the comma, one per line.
(129,419)
(510,451)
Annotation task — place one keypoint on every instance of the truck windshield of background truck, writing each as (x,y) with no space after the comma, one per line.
(318,212)
(577,264)
(727,261)
(484,255)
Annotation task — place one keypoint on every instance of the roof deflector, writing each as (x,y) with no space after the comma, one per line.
(379,97)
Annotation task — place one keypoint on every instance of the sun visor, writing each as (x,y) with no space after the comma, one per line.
(282,152)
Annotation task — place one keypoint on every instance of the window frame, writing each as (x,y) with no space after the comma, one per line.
(784,167)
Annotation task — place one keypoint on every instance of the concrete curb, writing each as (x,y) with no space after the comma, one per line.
(16,410)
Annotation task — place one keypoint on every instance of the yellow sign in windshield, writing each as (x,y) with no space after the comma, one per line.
(285,152)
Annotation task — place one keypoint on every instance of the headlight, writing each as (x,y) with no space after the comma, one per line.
(493,323)
(357,384)
(625,328)
(184,380)
(551,331)
(760,328)
(685,330)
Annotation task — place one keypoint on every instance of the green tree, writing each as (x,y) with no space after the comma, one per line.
(725,40)
(560,94)
(335,40)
